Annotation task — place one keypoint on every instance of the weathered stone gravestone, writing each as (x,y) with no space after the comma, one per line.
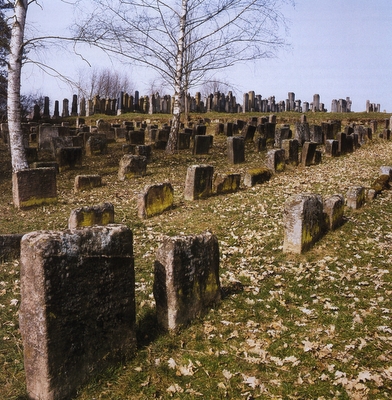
(303,222)
(155,200)
(257,176)
(47,132)
(102,214)
(136,137)
(291,147)
(70,157)
(282,133)
(96,144)
(332,148)
(316,134)
(355,197)
(302,132)
(276,160)
(132,167)
(10,246)
(308,155)
(84,182)
(77,313)
(236,149)
(229,183)
(248,132)
(198,182)
(34,187)
(202,144)
(186,281)
(333,208)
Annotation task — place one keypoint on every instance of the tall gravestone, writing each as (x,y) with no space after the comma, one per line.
(303,222)
(236,149)
(77,313)
(198,182)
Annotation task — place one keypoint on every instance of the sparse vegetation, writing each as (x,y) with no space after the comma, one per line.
(310,326)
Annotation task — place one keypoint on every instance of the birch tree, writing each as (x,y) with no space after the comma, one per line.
(18,154)
(185,41)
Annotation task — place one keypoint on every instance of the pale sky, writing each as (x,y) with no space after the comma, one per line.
(338,49)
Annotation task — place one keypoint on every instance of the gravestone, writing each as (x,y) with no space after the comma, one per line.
(102,214)
(333,208)
(145,151)
(302,133)
(132,166)
(228,129)
(70,157)
(355,197)
(10,246)
(77,315)
(308,154)
(303,222)
(229,183)
(282,133)
(316,134)
(136,137)
(291,147)
(332,148)
(342,140)
(202,144)
(186,278)
(275,160)
(236,149)
(155,200)
(184,140)
(257,176)
(248,132)
(96,144)
(198,182)
(84,182)
(34,187)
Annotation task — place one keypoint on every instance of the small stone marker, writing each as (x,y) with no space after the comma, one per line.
(198,182)
(89,216)
(355,197)
(276,160)
(333,208)
(229,183)
(303,222)
(236,149)
(84,182)
(155,200)
(77,313)
(132,167)
(34,187)
(186,282)
(257,176)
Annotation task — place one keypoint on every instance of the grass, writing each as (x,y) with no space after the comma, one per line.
(310,326)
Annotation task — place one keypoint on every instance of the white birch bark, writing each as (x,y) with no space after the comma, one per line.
(172,143)
(18,154)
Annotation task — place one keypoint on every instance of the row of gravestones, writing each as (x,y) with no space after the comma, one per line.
(307,217)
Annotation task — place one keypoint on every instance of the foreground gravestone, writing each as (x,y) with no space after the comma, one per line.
(34,187)
(303,222)
(333,208)
(198,182)
(155,200)
(102,214)
(77,313)
(186,278)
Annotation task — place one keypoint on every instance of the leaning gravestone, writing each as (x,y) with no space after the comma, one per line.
(155,200)
(333,208)
(186,281)
(77,313)
(198,182)
(303,222)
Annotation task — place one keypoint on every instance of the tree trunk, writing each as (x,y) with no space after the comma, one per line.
(18,153)
(172,143)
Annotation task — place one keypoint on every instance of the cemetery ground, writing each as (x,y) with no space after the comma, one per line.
(310,326)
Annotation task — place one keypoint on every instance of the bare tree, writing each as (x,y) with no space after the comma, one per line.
(106,83)
(184,40)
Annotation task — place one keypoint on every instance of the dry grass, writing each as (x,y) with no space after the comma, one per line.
(302,327)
